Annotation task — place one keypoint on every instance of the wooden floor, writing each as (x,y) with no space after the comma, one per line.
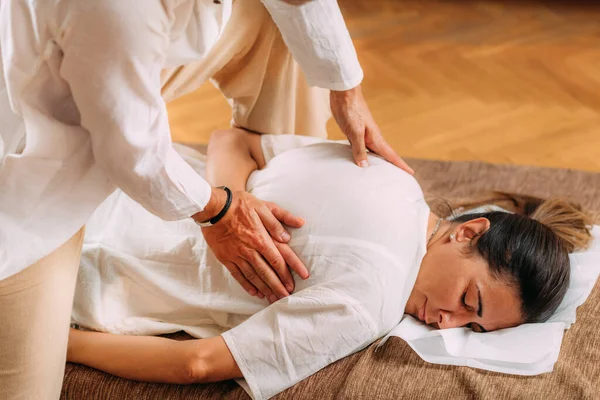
(500,81)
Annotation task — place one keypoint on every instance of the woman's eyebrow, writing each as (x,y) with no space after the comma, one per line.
(480,309)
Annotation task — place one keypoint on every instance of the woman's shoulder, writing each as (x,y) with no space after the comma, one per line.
(371,276)
(275,145)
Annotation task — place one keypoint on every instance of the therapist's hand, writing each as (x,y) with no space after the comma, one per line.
(251,242)
(354,118)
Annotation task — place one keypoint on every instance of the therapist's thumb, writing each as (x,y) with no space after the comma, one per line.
(359,150)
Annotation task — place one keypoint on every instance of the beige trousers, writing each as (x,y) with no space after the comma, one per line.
(251,65)
(35,306)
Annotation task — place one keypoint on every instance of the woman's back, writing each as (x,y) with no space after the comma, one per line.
(362,243)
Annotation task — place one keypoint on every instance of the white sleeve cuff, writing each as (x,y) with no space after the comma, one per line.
(339,85)
(190,193)
(316,34)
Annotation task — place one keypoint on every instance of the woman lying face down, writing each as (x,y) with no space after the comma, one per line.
(373,252)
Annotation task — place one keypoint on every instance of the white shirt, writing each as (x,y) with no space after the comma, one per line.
(363,242)
(91,113)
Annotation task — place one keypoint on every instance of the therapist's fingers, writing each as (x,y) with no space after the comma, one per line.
(377,144)
(239,276)
(272,224)
(274,259)
(250,274)
(292,260)
(359,149)
(275,274)
(265,279)
(284,272)
(352,114)
(285,216)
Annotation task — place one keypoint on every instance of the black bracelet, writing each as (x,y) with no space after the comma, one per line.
(221,214)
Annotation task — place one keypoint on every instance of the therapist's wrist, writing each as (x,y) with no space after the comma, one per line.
(216,203)
(344,95)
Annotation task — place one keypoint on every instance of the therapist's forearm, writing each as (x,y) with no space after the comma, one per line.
(125,117)
(230,162)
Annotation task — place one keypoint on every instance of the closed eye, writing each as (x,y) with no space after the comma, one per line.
(474,326)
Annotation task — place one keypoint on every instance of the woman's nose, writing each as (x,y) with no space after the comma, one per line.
(447,320)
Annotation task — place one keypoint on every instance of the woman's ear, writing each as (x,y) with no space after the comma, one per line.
(472,229)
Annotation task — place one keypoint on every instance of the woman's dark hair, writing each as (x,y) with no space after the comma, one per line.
(530,247)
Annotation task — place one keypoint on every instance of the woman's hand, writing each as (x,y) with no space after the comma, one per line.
(251,242)
(352,115)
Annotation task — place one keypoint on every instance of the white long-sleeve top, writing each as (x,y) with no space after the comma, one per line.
(363,242)
(82,79)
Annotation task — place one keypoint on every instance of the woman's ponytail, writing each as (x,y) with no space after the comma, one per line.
(567,221)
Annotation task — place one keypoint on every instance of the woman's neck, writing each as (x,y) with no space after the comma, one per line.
(434,227)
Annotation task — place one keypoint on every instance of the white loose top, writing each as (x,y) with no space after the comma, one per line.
(363,242)
(81,88)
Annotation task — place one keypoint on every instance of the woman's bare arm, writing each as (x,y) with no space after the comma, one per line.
(154,359)
(233,155)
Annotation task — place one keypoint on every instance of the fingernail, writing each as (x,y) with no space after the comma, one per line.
(260,295)
(285,236)
(363,164)
(289,288)
(252,292)
(272,298)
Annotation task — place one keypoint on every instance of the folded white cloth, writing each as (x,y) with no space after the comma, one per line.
(528,349)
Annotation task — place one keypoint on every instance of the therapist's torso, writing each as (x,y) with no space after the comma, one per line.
(52,187)
(91,113)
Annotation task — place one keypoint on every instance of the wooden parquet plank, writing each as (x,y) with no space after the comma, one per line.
(497,81)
